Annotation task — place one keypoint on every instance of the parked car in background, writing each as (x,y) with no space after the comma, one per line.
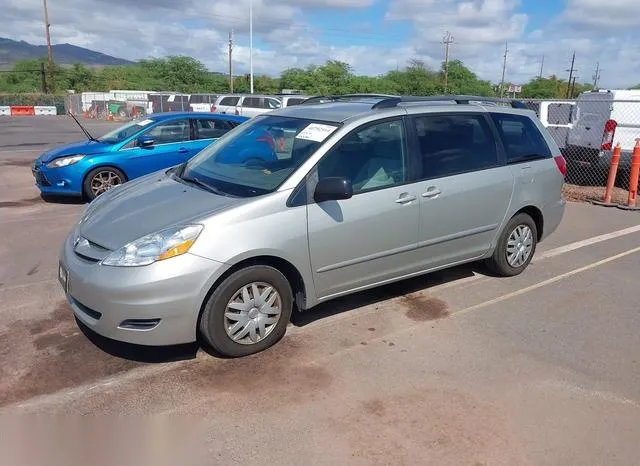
(601,120)
(89,168)
(365,193)
(248,105)
(290,100)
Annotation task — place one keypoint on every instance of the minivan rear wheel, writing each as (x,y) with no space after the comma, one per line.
(515,248)
(248,312)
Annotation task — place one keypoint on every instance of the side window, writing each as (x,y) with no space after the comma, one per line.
(230,101)
(272,103)
(521,137)
(371,158)
(451,144)
(208,128)
(170,131)
(251,102)
(294,101)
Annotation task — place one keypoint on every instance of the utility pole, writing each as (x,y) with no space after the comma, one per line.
(231,61)
(504,68)
(46,33)
(43,78)
(541,68)
(447,41)
(596,77)
(251,46)
(571,71)
(573,87)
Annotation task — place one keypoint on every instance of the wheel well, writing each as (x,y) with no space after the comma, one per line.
(285,267)
(536,215)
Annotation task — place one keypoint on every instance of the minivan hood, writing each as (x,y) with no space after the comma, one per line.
(145,206)
(83,147)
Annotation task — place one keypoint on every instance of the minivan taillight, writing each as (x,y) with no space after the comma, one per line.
(609,131)
(562,164)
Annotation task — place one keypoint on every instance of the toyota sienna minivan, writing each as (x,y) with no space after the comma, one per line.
(362,193)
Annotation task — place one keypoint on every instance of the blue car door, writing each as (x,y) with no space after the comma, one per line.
(170,143)
(209,129)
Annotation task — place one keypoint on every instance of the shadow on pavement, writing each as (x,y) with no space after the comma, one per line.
(139,353)
(393,290)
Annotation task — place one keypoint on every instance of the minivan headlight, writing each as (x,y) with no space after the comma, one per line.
(65,161)
(159,246)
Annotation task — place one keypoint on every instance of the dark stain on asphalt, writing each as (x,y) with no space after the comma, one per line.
(392,343)
(16,163)
(276,373)
(372,329)
(422,309)
(22,202)
(33,270)
(63,358)
(374,407)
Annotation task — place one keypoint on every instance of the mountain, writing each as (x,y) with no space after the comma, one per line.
(63,54)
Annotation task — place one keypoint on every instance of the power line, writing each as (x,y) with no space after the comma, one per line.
(447,41)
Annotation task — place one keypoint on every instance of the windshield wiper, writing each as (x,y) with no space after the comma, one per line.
(205,186)
(84,130)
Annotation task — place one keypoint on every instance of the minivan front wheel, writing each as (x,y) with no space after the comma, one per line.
(515,248)
(248,312)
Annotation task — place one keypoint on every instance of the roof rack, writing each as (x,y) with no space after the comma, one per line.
(321,99)
(394,101)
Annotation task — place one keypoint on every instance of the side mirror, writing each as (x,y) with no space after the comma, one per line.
(333,189)
(145,141)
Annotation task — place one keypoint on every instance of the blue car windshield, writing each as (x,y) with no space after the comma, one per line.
(259,155)
(125,131)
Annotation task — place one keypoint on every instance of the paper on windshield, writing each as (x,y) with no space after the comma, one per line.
(316,132)
(145,122)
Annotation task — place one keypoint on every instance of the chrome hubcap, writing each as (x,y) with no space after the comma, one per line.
(252,313)
(519,245)
(104,181)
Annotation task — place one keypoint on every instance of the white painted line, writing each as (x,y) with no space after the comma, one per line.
(589,393)
(544,283)
(587,242)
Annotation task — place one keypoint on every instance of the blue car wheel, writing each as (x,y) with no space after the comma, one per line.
(101,179)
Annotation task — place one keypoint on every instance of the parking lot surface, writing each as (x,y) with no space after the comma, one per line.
(454,368)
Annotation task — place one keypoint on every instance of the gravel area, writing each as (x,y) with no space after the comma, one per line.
(577,193)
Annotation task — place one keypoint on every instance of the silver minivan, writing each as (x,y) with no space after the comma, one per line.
(368,192)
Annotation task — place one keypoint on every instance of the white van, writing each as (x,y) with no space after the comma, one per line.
(601,120)
(249,105)
(555,115)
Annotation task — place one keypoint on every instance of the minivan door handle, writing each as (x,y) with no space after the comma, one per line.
(405,198)
(431,192)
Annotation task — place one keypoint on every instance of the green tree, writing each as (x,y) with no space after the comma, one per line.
(462,80)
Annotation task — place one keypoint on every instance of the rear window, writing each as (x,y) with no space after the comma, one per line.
(560,114)
(521,138)
(296,101)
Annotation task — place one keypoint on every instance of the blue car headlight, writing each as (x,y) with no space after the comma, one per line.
(65,161)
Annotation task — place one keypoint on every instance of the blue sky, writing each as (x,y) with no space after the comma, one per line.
(373,36)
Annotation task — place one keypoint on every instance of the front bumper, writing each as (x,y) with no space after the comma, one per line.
(154,305)
(57,181)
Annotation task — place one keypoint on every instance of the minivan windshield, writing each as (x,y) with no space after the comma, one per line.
(125,131)
(257,156)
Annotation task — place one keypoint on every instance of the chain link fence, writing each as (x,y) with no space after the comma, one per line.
(128,105)
(587,130)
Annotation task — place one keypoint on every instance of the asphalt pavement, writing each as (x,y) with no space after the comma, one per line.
(456,367)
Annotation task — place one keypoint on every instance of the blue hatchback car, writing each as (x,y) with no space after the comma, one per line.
(139,147)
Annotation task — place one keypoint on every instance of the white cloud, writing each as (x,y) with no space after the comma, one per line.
(610,13)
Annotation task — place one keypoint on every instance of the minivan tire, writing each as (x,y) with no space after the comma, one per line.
(498,263)
(213,321)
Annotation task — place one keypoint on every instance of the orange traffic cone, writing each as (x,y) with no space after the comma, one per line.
(611,180)
(633,181)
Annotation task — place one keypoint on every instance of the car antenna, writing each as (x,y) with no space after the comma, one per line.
(84,130)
